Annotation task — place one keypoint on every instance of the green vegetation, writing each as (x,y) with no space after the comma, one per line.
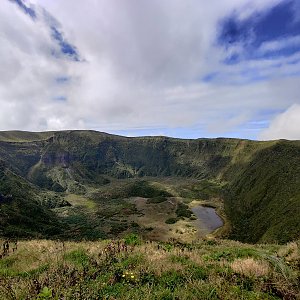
(258,181)
(158,199)
(183,211)
(171,220)
(21,214)
(263,203)
(144,189)
(204,190)
(133,269)
(82,188)
(132,239)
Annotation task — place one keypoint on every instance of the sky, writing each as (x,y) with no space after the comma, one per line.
(188,69)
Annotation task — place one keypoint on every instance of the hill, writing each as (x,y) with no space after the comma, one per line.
(95,173)
(21,212)
(264,201)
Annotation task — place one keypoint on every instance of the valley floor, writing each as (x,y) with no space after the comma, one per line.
(157,210)
(134,269)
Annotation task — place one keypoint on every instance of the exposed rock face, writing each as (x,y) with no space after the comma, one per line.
(56,158)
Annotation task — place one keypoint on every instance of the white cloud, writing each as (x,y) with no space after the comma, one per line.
(142,67)
(279,44)
(284,126)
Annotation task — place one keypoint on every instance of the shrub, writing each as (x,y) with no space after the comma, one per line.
(117,228)
(158,199)
(132,239)
(171,220)
(183,211)
(144,189)
(46,293)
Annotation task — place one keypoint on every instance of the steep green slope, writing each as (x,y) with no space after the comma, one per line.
(21,213)
(264,201)
(262,178)
(89,154)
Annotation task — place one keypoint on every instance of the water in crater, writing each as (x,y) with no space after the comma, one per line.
(207,219)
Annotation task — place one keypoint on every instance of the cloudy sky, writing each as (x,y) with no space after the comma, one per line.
(192,68)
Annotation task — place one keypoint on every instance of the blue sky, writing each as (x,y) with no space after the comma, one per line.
(277,23)
(179,68)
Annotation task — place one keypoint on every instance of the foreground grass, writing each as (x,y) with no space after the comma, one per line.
(132,269)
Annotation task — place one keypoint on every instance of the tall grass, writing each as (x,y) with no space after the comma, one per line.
(133,269)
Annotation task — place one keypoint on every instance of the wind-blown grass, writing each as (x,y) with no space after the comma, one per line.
(132,269)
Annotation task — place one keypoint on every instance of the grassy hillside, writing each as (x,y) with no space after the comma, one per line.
(93,153)
(132,269)
(21,213)
(258,180)
(90,153)
(24,136)
(263,203)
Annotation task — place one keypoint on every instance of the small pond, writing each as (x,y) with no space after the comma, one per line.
(208,220)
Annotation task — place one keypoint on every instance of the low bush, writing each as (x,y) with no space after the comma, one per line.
(183,211)
(171,220)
